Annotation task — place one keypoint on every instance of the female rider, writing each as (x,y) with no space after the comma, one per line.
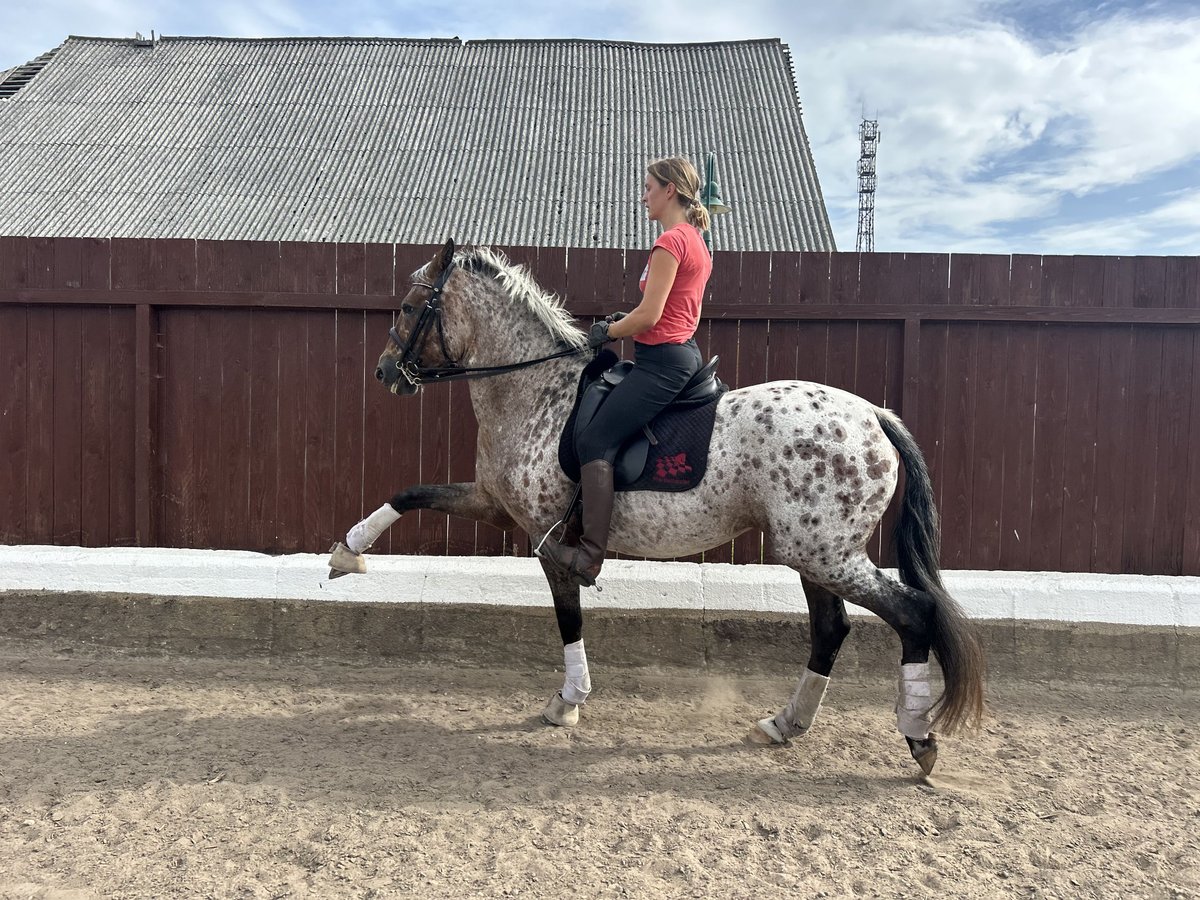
(666,356)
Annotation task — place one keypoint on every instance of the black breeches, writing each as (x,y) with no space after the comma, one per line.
(659,374)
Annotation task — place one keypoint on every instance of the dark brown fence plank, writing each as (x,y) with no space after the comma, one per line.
(350,383)
(14,267)
(175,475)
(1058,274)
(138,265)
(264,438)
(1190,564)
(812,352)
(1174,430)
(1081,346)
(1025,282)
(245,267)
(785,278)
(14,420)
(96,427)
(979,279)
(320,401)
(1114,399)
(1182,282)
(958,445)
(1142,460)
(1020,398)
(292,403)
(934,285)
(1149,281)
(843,278)
(69,380)
(1050,440)
(379,406)
(1119,281)
(814,277)
(992,433)
(39,484)
(1087,282)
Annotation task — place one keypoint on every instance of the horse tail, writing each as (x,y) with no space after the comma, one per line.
(918,540)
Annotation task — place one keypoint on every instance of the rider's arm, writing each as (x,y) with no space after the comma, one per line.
(659,279)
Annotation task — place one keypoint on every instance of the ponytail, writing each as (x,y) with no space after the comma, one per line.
(698,215)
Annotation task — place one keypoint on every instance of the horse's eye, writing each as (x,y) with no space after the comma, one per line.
(407,309)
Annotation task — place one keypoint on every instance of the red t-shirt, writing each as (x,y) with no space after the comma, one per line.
(681,314)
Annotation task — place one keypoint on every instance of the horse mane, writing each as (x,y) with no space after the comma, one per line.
(519,284)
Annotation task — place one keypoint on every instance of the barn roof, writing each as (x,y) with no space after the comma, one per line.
(529,142)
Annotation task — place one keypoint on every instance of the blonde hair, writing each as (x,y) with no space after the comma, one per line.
(680,172)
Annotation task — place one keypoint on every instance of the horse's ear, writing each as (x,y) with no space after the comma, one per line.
(447,254)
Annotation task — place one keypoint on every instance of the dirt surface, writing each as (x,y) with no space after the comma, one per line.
(203,778)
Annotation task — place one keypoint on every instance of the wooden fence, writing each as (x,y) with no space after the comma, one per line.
(219,394)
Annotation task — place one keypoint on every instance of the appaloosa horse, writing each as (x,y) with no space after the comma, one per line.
(810,466)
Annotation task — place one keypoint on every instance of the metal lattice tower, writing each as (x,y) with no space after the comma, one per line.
(868,136)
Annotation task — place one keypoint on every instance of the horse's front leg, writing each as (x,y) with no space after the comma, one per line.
(466,500)
(563,708)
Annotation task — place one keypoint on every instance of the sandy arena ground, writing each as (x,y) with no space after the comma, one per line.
(203,778)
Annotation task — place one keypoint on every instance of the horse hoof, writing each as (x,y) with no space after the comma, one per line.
(343,562)
(559,712)
(765,731)
(924,752)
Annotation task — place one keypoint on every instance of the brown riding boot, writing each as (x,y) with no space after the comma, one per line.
(583,563)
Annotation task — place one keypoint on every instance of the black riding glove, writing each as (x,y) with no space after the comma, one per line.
(616,317)
(598,336)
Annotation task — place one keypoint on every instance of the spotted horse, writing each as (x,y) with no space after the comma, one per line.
(810,466)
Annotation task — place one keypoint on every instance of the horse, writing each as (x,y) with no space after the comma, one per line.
(812,467)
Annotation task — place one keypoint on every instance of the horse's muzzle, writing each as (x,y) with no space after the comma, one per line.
(388,374)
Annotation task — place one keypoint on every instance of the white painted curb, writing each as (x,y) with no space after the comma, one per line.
(1055,596)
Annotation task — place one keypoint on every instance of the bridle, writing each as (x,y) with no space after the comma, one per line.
(409,365)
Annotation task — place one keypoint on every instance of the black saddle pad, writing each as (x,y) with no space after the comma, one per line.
(672,457)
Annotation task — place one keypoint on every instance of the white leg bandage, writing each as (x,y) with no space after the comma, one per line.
(365,533)
(578,683)
(915,701)
(797,717)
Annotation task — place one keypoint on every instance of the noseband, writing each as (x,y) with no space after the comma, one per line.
(431,312)
(410,364)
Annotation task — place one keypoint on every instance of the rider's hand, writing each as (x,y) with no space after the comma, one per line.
(598,336)
(616,317)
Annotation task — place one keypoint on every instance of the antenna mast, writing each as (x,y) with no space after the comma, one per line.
(868,137)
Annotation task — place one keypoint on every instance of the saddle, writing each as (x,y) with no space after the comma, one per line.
(668,454)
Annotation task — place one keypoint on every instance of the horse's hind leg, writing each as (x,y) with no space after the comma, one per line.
(911,613)
(828,627)
(563,708)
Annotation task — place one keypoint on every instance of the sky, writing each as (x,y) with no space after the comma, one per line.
(1007,126)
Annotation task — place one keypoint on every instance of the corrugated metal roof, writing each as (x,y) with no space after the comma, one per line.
(527,142)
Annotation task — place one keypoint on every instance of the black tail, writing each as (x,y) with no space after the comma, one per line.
(918,546)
